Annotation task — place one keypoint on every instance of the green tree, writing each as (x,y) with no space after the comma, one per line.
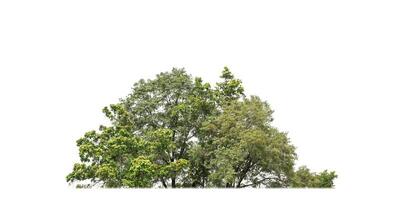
(304,178)
(246,149)
(177,131)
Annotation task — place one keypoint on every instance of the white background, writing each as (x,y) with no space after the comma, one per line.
(337,73)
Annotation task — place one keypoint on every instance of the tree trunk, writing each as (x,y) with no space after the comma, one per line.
(173,183)
(164,183)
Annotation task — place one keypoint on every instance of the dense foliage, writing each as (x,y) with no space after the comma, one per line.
(177,131)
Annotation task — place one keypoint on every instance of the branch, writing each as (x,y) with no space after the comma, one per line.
(164,183)
(244,171)
(258,182)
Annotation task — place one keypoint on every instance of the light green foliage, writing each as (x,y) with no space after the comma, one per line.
(177,131)
(142,172)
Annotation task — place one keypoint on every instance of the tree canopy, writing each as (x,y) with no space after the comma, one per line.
(179,131)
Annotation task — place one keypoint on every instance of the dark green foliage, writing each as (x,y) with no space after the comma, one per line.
(177,131)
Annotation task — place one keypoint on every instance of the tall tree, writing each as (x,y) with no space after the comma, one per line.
(177,131)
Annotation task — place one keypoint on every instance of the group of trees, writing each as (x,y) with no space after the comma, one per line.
(179,131)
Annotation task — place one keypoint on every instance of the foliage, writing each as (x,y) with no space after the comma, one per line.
(304,178)
(177,131)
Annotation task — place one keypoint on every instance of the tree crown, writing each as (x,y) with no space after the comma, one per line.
(177,131)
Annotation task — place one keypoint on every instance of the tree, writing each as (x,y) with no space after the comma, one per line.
(177,131)
(304,178)
(247,151)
